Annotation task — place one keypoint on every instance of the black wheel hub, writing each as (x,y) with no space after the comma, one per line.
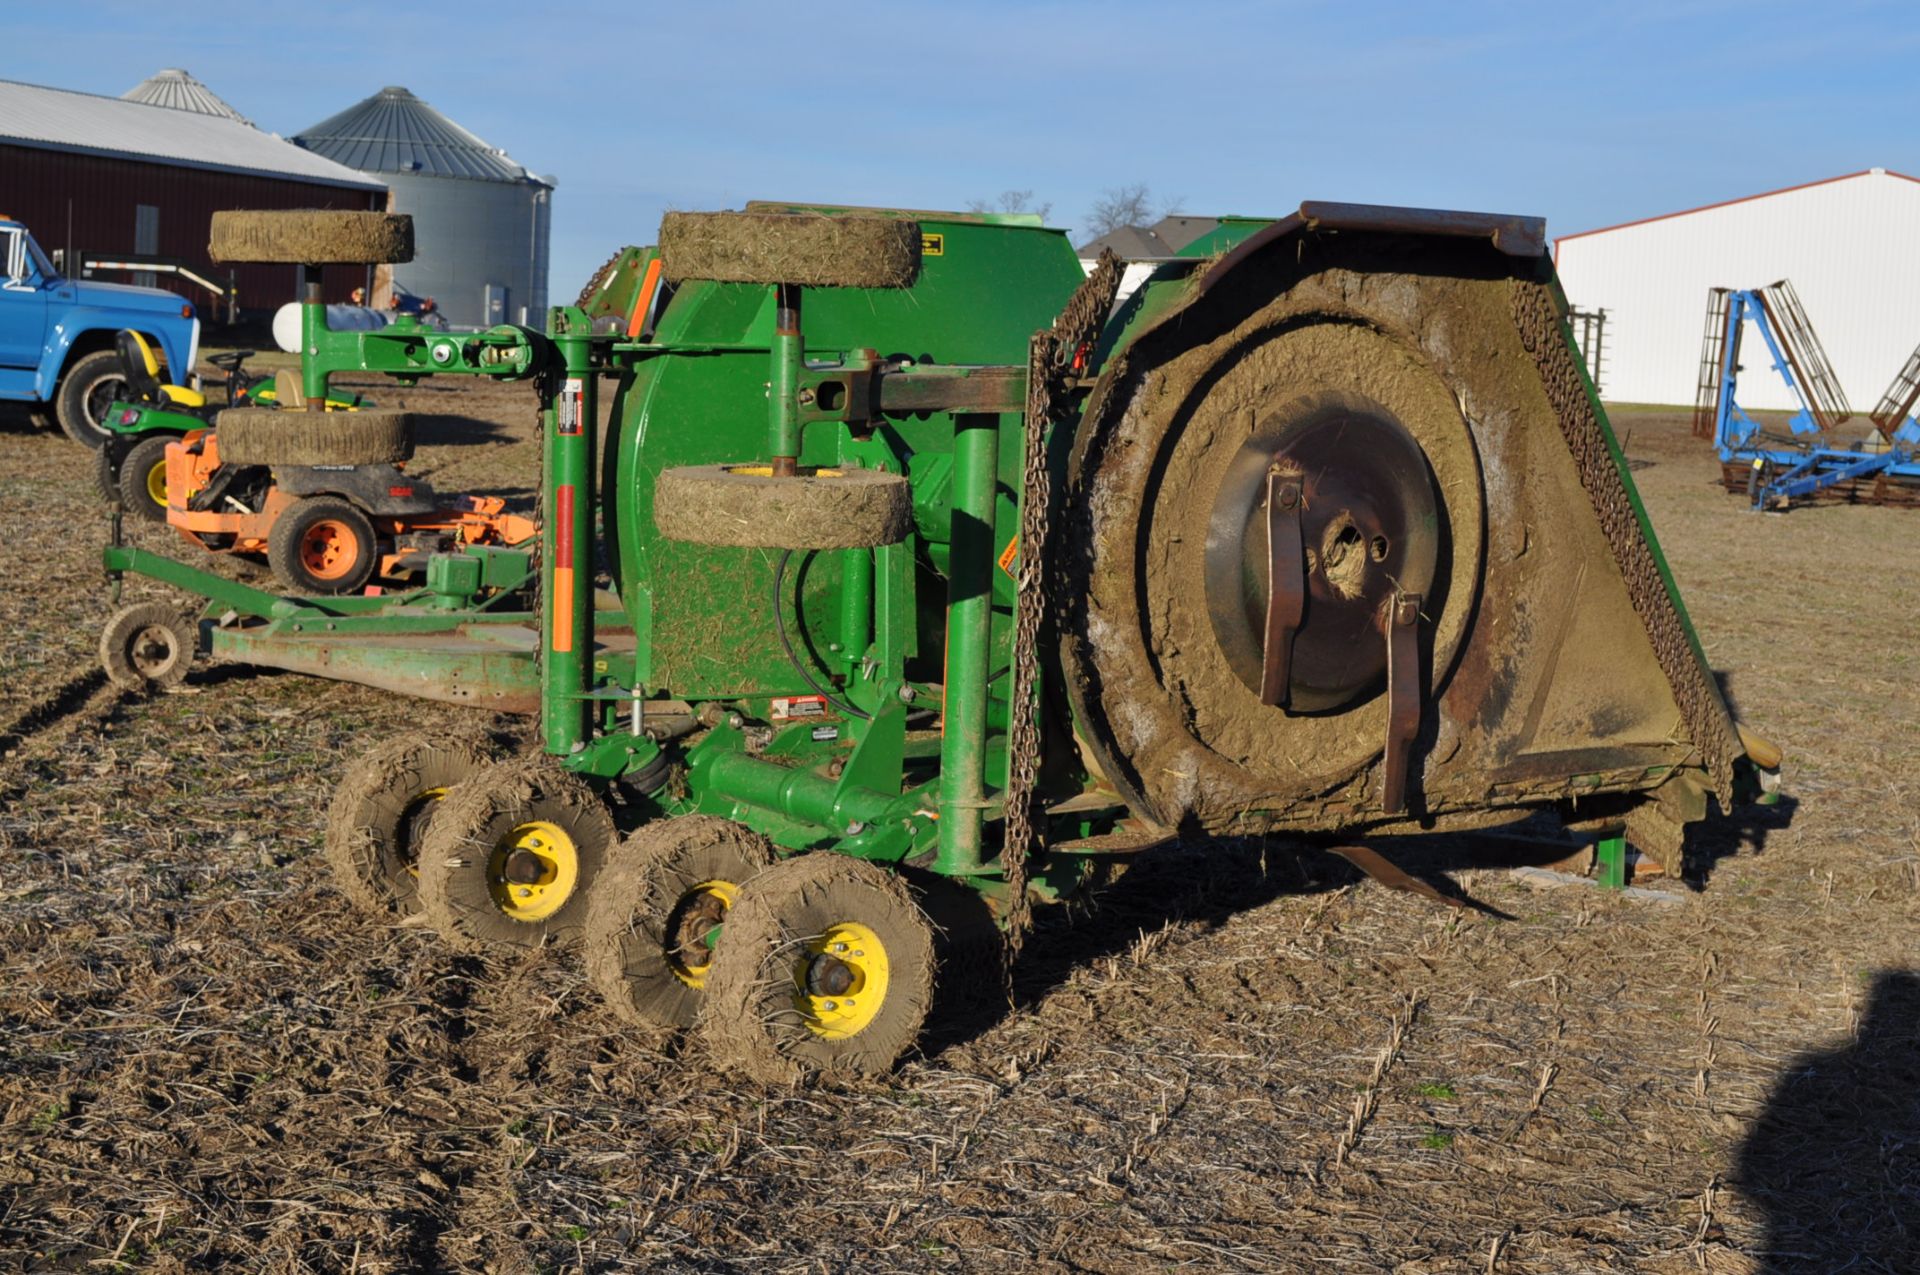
(695,921)
(829,976)
(1371,526)
(523,868)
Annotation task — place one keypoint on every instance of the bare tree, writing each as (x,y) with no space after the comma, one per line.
(1012,201)
(1120,206)
(1133,205)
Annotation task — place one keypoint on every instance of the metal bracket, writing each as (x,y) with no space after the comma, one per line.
(1401,620)
(1286,587)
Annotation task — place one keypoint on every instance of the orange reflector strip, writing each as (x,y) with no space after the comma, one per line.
(644,302)
(563,608)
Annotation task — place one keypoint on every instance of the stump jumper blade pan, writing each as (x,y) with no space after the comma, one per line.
(1410,373)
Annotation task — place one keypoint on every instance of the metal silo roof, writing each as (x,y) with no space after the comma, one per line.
(175,89)
(395,132)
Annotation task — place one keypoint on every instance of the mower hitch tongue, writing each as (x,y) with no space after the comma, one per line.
(923,575)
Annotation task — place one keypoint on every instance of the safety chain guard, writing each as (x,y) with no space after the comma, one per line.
(1545,337)
(1055,357)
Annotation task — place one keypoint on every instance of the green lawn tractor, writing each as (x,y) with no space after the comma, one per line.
(132,466)
(931,584)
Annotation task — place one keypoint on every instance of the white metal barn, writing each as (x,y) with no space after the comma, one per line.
(1850,245)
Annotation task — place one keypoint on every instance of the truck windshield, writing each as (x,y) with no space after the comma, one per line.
(37,263)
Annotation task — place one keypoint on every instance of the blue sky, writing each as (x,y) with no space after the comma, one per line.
(1587,114)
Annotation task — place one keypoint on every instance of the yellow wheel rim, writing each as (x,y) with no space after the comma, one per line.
(157,483)
(838,1014)
(766,471)
(413,812)
(558,864)
(691,953)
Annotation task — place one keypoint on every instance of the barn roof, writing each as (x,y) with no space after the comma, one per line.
(1728,203)
(86,123)
(174,88)
(395,132)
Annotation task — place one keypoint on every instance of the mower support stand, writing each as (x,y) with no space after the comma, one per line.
(1610,862)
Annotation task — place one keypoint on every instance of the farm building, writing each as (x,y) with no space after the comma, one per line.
(480,219)
(94,175)
(1847,244)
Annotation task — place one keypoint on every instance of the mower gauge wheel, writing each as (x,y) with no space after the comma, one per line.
(827,965)
(512,854)
(382,810)
(147,646)
(658,912)
(323,545)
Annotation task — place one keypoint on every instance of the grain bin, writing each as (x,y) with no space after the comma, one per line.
(482,218)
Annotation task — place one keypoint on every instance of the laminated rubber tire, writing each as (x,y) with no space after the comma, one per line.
(512,855)
(310,237)
(746,507)
(323,545)
(141,480)
(799,248)
(148,646)
(655,908)
(827,966)
(277,436)
(381,812)
(86,391)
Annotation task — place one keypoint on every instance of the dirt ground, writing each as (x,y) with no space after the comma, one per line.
(1242,1059)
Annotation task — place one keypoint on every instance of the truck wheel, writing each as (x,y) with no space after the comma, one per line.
(323,545)
(88,389)
(147,646)
(142,480)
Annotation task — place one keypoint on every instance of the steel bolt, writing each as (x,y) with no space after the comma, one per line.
(839,947)
(906,695)
(828,1005)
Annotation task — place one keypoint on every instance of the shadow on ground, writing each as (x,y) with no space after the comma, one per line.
(434,429)
(1197,882)
(1834,1161)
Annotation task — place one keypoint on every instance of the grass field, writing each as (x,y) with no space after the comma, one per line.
(1240,1059)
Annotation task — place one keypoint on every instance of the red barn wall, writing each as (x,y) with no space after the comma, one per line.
(87,203)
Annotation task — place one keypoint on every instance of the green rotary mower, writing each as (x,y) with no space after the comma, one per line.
(937,582)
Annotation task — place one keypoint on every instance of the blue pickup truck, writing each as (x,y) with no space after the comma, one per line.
(57,335)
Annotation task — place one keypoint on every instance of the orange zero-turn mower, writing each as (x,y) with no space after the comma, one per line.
(324,528)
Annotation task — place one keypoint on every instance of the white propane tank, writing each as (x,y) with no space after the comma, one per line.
(341,318)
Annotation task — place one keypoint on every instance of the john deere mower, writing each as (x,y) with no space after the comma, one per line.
(939,579)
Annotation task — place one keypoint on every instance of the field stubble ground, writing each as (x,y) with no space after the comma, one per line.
(1241,1059)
